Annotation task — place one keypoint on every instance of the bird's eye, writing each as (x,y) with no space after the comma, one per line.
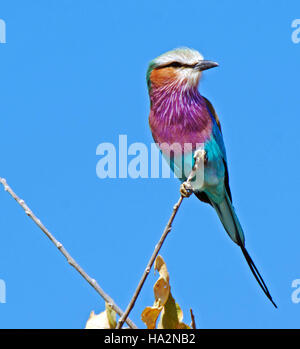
(175,65)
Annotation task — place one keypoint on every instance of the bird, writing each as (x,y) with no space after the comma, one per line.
(182,122)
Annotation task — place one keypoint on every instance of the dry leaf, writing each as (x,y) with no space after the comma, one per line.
(111,316)
(150,315)
(161,292)
(104,320)
(171,316)
(164,304)
(161,267)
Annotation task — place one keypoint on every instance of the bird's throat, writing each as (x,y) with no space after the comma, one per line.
(178,114)
(176,103)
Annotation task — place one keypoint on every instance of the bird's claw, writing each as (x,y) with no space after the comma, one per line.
(200,154)
(186,189)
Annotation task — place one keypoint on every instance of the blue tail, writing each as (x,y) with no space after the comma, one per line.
(233,227)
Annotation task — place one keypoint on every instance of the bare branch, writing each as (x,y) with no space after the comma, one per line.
(69,258)
(198,156)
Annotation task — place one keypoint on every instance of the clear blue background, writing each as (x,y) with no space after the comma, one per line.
(72,75)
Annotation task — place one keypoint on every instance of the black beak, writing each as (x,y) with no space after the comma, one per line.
(204,65)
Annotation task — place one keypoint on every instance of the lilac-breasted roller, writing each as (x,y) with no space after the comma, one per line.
(181,115)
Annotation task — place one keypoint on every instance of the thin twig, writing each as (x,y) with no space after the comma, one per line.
(198,156)
(69,258)
(193,323)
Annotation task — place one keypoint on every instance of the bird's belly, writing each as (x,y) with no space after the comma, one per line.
(209,175)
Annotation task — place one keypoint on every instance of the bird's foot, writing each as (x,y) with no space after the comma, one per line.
(186,189)
(200,155)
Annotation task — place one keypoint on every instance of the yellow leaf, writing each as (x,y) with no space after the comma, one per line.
(169,318)
(161,267)
(179,313)
(150,315)
(164,304)
(161,291)
(111,316)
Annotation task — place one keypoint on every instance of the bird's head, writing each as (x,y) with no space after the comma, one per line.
(180,67)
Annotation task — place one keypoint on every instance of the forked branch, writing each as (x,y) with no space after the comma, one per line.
(67,255)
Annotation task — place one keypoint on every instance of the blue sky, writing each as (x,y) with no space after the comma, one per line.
(72,77)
